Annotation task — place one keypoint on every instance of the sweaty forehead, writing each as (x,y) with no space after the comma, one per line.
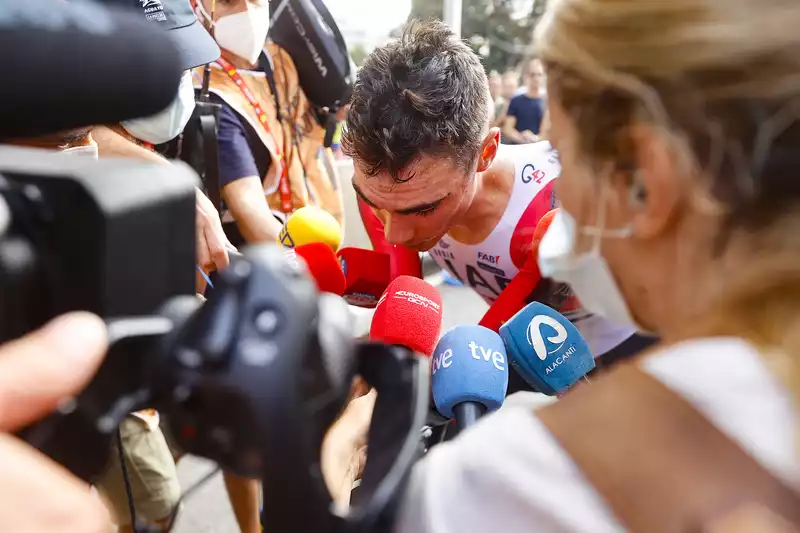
(427,179)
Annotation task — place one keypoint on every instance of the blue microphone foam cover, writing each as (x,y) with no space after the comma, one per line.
(546,349)
(469,365)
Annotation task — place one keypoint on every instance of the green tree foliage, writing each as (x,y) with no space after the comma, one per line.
(358,53)
(500,31)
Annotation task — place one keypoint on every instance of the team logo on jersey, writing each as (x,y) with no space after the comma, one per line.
(493,259)
(489,263)
(531,173)
(441,253)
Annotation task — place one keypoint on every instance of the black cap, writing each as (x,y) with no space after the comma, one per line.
(177,16)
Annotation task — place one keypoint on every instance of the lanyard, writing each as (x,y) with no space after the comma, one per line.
(283,184)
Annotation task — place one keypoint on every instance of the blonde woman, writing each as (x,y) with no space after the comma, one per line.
(677,127)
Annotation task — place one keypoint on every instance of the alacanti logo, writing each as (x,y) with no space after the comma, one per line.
(418,299)
(536,340)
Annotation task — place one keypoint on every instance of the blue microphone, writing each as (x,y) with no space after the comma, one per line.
(469,374)
(546,349)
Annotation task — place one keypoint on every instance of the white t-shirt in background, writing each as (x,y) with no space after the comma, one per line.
(508,474)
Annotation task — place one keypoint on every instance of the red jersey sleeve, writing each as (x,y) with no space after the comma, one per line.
(402,261)
(522,238)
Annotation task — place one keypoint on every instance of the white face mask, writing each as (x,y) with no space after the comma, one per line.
(245,33)
(586,273)
(169,123)
(90,150)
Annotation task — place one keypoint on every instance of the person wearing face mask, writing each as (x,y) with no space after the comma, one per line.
(269,138)
(138,138)
(431,175)
(151,469)
(151,472)
(680,212)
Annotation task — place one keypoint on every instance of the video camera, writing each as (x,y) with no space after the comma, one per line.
(253,378)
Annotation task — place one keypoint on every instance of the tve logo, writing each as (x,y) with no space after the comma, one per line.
(536,339)
(441,360)
(482,352)
(477,351)
(469,365)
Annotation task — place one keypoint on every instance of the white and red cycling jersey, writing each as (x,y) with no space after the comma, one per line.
(487,267)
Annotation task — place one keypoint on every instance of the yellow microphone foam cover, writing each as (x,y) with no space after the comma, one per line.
(310,224)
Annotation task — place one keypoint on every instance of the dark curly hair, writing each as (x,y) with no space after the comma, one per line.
(424,94)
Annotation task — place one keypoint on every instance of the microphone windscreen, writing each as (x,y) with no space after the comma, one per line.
(310,224)
(546,349)
(469,365)
(366,273)
(408,314)
(323,266)
(76,64)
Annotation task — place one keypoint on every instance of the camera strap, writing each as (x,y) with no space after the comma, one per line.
(284,187)
(126,480)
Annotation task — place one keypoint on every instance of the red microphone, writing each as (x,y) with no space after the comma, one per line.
(322,265)
(408,314)
(512,299)
(366,275)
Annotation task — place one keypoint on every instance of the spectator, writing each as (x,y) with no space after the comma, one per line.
(495,85)
(151,471)
(268,147)
(269,163)
(508,88)
(496,92)
(525,111)
(510,85)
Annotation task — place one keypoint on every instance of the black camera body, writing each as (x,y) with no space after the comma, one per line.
(111,237)
(252,378)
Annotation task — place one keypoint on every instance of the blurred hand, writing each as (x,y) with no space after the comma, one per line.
(344,450)
(529,136)
(212,244)
(36,373)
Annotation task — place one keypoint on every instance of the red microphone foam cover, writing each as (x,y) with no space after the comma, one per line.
(366,275)
(409,314)
(323,266)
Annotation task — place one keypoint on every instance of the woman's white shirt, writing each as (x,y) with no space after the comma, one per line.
(508,474)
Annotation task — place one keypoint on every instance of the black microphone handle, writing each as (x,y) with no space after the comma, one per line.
(467,414)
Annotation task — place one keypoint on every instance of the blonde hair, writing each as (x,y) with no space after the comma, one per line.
(721,78)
